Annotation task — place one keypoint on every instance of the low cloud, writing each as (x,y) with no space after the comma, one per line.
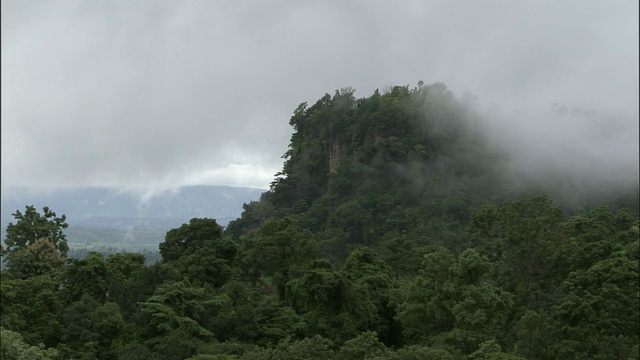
(572,154)
(162,94)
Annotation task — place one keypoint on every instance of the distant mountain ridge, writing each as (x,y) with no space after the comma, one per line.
(105,208)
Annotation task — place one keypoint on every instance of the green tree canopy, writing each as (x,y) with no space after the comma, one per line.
(13,347)
(31,307)
(279,251)
(87,276)
(31,226)
(39,258)
(199,251)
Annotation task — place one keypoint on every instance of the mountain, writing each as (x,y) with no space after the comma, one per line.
(107,216)
(406,162)
(391,232)
(413,163)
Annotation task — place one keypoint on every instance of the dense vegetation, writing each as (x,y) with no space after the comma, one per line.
(387,235)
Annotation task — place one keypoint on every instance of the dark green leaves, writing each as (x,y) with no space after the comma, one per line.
(31,226)
(200,252)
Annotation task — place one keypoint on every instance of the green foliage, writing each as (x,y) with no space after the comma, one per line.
(224,350)
(187,238)
(278,250)
(491,350)
(212,357)
(520,238)
(182,306)
(31,307)
(36,244)
(249,316)
(364,346)
(332,304)
(255,213)
(127,287)
(359,169)
(418,352)
(89,276)
(374,279)
(402,254)
(277,322)
(134,351)
(446,306)
(176,345)
(200,252)
(585,315)
(533,338)
(315,347)
(593,236)
(39,258)
(31,226)
(123,266)
(473,266)
(92,329)
(381,238)
(13,347)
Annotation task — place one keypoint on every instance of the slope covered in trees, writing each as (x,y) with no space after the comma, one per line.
(361,171)
(388,235)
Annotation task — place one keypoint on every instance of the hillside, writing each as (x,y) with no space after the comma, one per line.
(416,162)
(391,233)
(360,171)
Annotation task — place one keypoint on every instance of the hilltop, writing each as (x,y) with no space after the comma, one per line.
(392,232)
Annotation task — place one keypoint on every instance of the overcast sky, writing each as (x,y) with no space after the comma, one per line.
(158,94)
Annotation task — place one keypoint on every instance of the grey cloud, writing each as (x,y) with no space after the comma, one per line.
(144,94)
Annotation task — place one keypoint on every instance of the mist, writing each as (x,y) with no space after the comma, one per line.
(151,96)
(579,157)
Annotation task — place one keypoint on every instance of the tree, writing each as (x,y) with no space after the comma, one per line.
(182,306)
(92,330)
(88,276)
(188,237)
(490,349)
(450,304)
(418,352)
(363,346)
(588,313)
(200,252)
(401,253)
(520,240)
(311,348)
(332,304)
(374,277)
(355,220)
(424,303)
(13,347)
(593,236)
(134,351)
(38,258)
(126,286)
(278,250)
(31,307)
(176,345)
(249,316)
(32,226)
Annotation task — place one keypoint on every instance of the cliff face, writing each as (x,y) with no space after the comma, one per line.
(336,154)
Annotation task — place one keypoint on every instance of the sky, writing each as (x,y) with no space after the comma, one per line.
(153,95)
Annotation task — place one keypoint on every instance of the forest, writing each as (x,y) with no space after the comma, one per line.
(391,232)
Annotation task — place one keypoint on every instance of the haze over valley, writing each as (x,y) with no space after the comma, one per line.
(102,217)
